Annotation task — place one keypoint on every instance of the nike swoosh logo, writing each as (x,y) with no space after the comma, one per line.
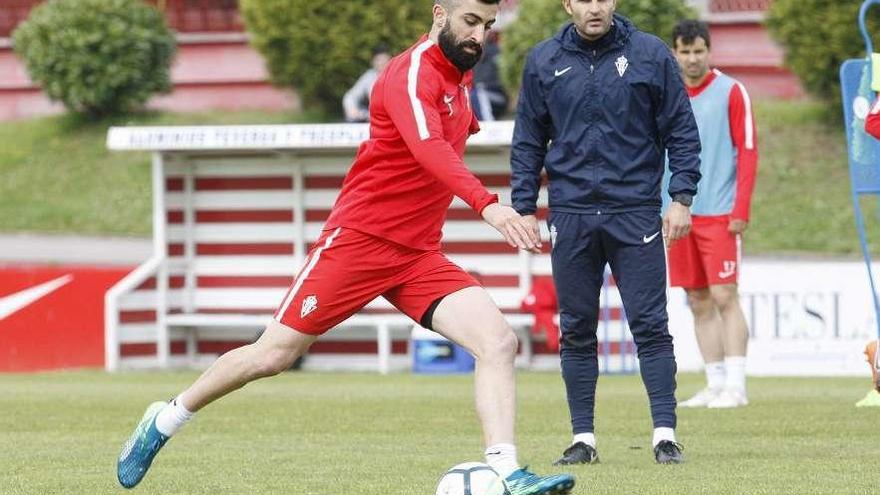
(448,99)
(647,239)
(16,302)
(558,72)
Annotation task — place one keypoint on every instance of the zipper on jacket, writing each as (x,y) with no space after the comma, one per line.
(594,140)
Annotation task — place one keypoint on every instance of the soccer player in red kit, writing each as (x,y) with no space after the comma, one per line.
(872,127)
(706,262)
(383,238)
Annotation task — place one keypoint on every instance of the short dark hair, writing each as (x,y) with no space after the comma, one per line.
(452,3)
(689,30)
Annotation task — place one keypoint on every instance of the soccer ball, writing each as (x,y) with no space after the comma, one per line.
(469,478)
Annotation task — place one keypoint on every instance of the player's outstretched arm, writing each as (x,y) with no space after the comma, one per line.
(517,230)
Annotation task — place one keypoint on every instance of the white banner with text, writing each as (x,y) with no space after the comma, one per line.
(805,318)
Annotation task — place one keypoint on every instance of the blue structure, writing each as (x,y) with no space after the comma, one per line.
(864,150)
(433,354)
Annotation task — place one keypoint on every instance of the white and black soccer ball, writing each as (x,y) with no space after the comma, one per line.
(469,478)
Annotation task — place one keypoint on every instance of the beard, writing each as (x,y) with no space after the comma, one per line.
(455,50)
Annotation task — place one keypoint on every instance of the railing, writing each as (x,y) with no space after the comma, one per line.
(719,6)
(186,16)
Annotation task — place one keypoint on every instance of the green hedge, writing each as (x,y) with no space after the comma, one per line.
(818,35)
(321,48)
(97,56)
(540,19)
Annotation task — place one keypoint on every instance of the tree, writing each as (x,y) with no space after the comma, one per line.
(97,57)
(818,35)
(321,48)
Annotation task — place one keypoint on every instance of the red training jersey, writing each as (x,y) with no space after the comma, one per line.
(405,175)
(872,122)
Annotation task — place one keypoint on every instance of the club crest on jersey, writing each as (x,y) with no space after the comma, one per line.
(622,63)
(310,303)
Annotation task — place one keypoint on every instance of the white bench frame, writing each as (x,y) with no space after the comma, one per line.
(164,142)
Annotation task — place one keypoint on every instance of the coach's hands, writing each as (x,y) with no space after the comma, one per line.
(532,223)
(520,232)
(677,222)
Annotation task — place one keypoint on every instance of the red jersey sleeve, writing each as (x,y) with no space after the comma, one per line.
(872,123)
(414,97)
(745,140)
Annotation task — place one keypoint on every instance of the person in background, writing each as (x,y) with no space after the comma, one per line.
(356,101)
(487,95)
(872,127)
(706,263)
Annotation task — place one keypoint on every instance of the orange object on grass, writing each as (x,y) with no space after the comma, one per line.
(871,357)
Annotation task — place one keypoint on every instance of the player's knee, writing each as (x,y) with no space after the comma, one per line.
(509,344)
(272,363)
(500,347)
(700,301)
(724,297)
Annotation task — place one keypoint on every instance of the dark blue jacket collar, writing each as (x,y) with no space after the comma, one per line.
(620,32)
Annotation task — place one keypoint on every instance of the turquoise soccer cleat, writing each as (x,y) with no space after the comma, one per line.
(140,449)
(524,482)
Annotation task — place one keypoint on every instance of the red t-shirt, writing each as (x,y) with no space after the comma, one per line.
(404,177)
(872,122)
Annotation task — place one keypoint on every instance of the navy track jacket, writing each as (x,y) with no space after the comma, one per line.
(600,116)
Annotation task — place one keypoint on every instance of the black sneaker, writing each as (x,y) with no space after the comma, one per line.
(668,452)
(579,453)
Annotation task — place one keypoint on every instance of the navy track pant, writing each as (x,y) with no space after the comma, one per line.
(632,244)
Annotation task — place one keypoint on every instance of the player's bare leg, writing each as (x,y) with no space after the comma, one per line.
(735,335)
(275,351)
(470,318)
(736,330)
(708,325)
(709,329)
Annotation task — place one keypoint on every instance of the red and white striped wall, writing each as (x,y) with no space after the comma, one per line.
(231,227)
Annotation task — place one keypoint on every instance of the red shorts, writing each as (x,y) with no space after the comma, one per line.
(708,255)
(346,269)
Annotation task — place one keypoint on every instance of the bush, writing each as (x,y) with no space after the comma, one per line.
(818,36)
(97,56)
(540,19)
(321,48)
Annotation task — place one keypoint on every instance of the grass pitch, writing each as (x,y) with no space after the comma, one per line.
(365,434)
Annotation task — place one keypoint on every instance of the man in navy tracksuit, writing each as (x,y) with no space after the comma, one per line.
(601,104)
